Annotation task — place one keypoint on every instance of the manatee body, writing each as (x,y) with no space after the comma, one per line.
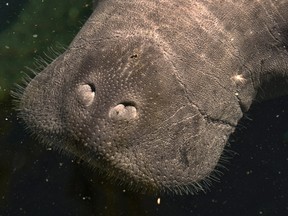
(149,91)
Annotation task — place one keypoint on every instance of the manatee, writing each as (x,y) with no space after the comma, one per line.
(149,91)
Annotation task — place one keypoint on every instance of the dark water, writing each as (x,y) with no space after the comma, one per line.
(10,11)
(37,181)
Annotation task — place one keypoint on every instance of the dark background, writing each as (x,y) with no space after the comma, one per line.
(37,181)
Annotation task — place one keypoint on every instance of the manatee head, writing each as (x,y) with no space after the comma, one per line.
(120,105)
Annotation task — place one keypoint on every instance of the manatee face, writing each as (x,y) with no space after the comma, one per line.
(150,91)
(121,108)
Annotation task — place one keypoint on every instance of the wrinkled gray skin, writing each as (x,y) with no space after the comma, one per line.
(149,91)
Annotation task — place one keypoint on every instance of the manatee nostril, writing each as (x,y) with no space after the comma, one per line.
(92,86)
(128,103)
(124,111)
(86,93)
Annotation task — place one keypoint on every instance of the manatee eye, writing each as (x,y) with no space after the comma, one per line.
(86,93)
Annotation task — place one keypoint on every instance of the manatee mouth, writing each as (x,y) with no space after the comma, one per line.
(125,110)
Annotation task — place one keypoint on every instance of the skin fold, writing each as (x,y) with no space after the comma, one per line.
(149,92)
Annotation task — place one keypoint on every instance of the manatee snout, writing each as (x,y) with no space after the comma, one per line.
(122,111)
(123,107)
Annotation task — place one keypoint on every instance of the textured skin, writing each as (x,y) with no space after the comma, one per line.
(150,91)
